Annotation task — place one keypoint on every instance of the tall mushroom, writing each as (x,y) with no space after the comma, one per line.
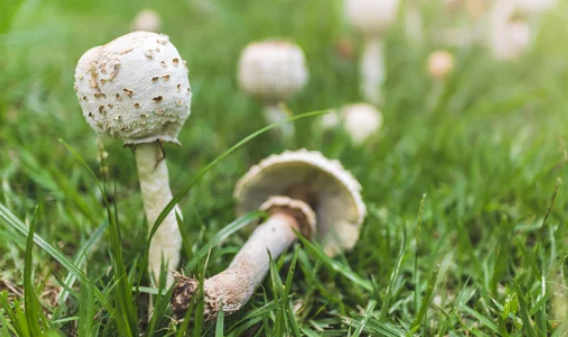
(301,190)
(135,88)
(372,18)
(273,71)
(360,120)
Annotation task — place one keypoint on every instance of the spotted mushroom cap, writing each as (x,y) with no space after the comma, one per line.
(134,88)
(272,70)
(147,20)
(332,192)
(371,17)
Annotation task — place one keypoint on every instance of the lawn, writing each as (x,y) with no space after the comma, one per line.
(466,232)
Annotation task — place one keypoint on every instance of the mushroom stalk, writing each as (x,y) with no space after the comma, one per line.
(229,290)
(373,71)
(275,113)
(156,193)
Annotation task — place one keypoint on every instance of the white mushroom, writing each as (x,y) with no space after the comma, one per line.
(301,190)
(361,121)
(440,64)
(509,38)
(136,89)
(273,71)
(372,18)
(147,20)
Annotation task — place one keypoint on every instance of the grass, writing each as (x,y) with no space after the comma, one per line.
(466,232)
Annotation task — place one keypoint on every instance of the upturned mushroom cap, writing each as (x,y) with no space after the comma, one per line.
(272,70)
(147,20)
(360,120)
(371,17)
(331,191)
(440,64)
(134,88)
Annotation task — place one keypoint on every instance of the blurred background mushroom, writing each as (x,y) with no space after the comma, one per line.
(147,20)
(361,121)
(273,71)
(372,19)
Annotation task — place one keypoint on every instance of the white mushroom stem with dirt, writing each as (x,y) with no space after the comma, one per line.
(273,71)
(372,18)
(136,89)
(301,191)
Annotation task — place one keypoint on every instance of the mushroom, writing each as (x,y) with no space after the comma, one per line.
(147,20)
(372,18)
(510,36)
(136,89)
(300,190)
(440,64)
(273,71)
(361,121)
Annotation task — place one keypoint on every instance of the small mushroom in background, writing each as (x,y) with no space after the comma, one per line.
(510,36)
(372,18)
(300,190)
(440,64)
(147,20)
(360,121)
(273,71)
(135,88)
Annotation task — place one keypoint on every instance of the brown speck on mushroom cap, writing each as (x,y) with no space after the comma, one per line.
(125,69)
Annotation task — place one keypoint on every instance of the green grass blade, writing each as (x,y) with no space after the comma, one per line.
(33,310)
(368,312)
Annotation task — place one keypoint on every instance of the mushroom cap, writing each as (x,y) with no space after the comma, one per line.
(134,88)
(371,17)
(511,40)
(440,64)
(272,70)
(303,213)
(360,120)
(147,20)
(331,191)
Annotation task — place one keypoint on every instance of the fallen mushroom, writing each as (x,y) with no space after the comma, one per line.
(147,20)
(301,190)
(361,121)
(372,18)
(273,71)
(135,88)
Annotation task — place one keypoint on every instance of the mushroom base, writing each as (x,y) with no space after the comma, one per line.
(229,290)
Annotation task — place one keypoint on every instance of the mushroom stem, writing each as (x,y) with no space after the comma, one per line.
(275,113)
(229,290)
(156,193)
(373,73)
